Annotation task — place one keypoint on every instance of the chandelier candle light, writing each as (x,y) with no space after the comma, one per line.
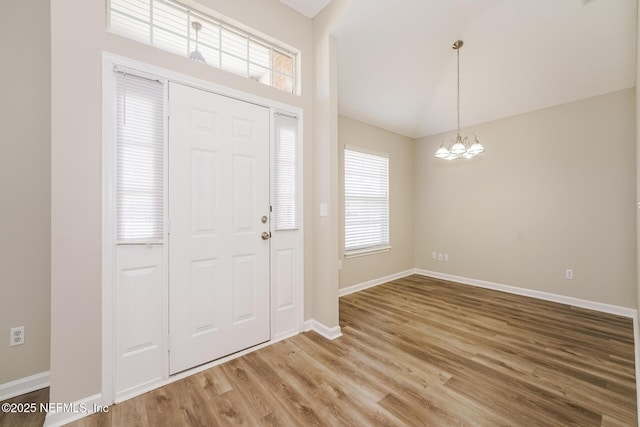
(458,147)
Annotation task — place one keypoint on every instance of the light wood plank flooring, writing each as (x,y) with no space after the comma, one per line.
(25,419)
(417,351)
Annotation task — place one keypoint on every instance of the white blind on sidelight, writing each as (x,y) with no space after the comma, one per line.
(140,159)
(366,196)
(286,205)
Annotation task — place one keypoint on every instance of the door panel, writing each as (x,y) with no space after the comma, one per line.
(218,192)
(244,307)
(138,320)
(243,194)
(204,191)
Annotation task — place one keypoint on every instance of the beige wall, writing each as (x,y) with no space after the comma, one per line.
(637,187)
(76,55)
(25,135)
(400,149)
(554,190)
(325,165)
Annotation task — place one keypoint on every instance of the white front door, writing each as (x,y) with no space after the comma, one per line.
(218,195)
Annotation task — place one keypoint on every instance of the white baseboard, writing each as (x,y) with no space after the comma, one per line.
(322,329)
(24,385)
(64,413)
(375,282)
(577,302)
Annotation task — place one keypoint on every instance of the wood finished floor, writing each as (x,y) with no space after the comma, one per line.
(417,351)
(25,419)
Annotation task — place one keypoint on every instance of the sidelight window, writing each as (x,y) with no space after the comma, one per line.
(286,206)
(139,159)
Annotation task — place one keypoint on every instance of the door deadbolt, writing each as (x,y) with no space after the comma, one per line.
(264,219)
(266,235)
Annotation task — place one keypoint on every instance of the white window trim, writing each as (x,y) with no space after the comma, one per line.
(368,251)
(366,150)
(355,253)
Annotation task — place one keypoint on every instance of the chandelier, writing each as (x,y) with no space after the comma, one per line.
(196,55)
(459,147)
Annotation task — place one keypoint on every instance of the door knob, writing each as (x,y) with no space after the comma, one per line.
(266,235)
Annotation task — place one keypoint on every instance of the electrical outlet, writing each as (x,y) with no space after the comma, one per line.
(568,274)
(434,255)
(16,336)
(440,257)
(446,257)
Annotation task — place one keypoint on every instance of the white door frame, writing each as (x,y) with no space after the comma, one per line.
(109,61)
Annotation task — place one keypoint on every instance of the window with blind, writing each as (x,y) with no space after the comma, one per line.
(171,26)
(366,197)
(286,205)
(139,159)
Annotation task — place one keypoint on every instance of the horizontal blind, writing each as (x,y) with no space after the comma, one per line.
(140,159)
(286,204)
(366,193)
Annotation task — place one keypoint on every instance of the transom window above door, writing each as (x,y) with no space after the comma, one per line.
(172,26)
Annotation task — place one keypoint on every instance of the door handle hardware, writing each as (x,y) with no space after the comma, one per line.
(266,235)
(264,219)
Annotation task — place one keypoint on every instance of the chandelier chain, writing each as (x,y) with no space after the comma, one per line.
(458,52)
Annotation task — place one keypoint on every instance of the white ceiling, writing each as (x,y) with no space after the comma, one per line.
(308,8)
(397,69)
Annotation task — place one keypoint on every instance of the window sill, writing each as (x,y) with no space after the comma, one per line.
(148,244)
(368,251)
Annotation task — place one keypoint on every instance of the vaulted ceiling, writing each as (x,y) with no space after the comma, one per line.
(397,69)
(308,8)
